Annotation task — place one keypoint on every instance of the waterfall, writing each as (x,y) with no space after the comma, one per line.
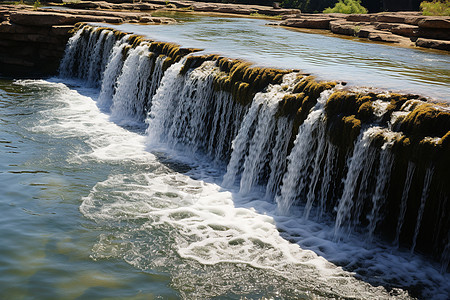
(307,143)
(251,147)
(279,154)
(403,202)
(357,179)
(134,89)
(282,145)
(382,182)
(86,55)
(423,199)
(111,73)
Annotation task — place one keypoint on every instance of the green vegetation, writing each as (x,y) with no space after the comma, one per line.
(347,7)
(36,4)
(435,8)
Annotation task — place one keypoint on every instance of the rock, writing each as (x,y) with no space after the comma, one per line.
(360,18)
(61,30)
(364,31)
(406,30)
(126,15)
(435,22)
(276,12)
(82,4)
(16,62)
(385,26)
(314,23)
(223,8)
(342,27)
(414,20)
(434,33)
(48,19)
(390,18)
(434,44)
(156,20)
(386,37)
(35,18)
(7,27)
(294,16)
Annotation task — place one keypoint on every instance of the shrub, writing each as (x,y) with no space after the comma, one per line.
(435,8)
(347,7)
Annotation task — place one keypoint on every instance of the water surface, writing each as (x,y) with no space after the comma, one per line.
(358,63)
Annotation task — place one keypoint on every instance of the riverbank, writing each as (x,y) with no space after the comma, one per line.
(408,29)
(32,40)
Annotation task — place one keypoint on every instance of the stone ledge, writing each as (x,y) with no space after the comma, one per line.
(434,44)
(380,27)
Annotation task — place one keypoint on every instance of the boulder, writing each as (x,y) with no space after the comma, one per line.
(434,44)
(364,31)
(314,23)
(343,27)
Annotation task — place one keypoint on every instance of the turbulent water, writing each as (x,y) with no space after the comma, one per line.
(183,193)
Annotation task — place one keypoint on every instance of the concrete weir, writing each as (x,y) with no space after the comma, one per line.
(317,146)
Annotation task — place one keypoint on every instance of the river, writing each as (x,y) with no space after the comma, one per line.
(93,207)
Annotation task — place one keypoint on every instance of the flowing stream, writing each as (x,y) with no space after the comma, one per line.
(120,179)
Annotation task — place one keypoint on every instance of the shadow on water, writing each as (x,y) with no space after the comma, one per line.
(362,262)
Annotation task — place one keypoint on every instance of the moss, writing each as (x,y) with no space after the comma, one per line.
(134,40)
(425,120)
(167,63)
(365,111)
(444,142)
(244,81)
(352,125)
(125,51)
(193,62)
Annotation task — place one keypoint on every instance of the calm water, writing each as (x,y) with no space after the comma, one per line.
(91,210)
(352,60)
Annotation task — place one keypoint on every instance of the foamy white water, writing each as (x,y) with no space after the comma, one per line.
(157,199)
(160,220)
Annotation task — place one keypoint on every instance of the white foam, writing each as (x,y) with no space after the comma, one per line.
(188,226)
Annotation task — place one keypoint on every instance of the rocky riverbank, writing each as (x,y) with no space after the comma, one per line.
(32,42)
(408,29)
(402,28)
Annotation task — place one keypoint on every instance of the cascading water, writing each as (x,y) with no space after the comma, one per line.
(308,145)
(293,164)
(423,199)
(251,148)
(407,186)
(111,73)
